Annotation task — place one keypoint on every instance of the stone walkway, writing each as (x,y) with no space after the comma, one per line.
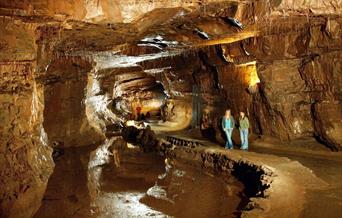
(325,201)
(319,203)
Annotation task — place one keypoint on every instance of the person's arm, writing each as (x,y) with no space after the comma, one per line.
(222,123)
(247,121)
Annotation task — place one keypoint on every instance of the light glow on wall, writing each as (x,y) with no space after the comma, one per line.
(251,73)
(152,103)
(254,78)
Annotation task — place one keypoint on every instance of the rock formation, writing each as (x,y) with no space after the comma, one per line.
(71,69)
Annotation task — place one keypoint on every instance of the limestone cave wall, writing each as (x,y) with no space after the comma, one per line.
(297,60)
(93,10)
(130,10)
(299,75)
(62,77)
(65,119)
(25,156)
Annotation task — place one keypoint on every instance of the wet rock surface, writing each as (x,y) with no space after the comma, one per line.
(25,156)
(201,193)
(86,183)
(67,193)
(145,138)
(322,201)
(72,71)
(257,179)
(265,177)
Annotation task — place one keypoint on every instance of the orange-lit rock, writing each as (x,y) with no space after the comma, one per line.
(73,70)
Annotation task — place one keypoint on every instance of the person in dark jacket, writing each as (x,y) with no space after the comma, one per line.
(244,126)
(228,124)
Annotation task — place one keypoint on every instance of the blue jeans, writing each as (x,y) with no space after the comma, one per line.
(229,143)
(244,139)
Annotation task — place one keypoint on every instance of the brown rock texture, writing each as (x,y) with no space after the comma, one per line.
(93,10)
(25,157)
(264,186)
(71,69)
(65,119)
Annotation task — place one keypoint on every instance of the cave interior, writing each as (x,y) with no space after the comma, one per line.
(81,76)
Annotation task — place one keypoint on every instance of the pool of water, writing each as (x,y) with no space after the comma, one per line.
(144,186)
(87,184)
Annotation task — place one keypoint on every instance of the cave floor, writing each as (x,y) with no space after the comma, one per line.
(326,165)
(70,197)
(325,202)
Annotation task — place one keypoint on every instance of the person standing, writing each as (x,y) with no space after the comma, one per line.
(228,125)
(244,126)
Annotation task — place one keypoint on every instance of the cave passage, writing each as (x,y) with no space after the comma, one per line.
(208,108)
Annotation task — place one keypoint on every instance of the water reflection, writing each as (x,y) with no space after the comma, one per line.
(97,158)
(149,185)
(116,192)
(184,191)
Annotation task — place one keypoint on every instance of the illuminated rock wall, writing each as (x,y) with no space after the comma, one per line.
(291,89)
(130,10)
(53,88)
(25,157)
(93,10)
(65,119)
